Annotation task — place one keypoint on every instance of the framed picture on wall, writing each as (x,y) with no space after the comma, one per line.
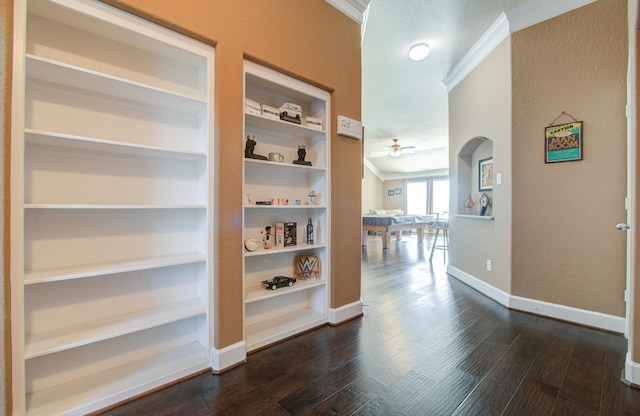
(485,174)
(398,191)
(563,142)
(390,192)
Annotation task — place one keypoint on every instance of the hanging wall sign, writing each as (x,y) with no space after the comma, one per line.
(349,127)
(563,142)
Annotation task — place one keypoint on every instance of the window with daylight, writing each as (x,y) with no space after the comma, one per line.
(427,196)
(440,195)
(417,197)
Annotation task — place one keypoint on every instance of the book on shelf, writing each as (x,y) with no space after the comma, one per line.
(252,107)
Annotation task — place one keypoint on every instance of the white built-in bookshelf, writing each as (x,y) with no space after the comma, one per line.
(273,315)
(111,206)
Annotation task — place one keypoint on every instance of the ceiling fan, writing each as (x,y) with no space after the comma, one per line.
(395,150)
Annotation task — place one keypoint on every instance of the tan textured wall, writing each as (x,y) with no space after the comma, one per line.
(371,191)
(395,201)
(480,106)
(566,248)
(5,125)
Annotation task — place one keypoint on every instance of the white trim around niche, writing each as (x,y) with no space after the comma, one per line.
(631,371)
(228,357)
(538,307)
(345,312)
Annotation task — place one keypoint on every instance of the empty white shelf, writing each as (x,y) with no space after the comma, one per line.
(87,80)
(90,270)
(269,331)
(93,331)
(45,138)
(96,391)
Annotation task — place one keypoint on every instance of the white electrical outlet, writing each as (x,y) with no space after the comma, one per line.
(498,178)
(488,265)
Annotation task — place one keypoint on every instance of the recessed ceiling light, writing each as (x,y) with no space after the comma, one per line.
(419,51)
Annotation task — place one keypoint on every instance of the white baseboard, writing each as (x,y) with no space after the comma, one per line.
(538,307)
(632,371)
(228,357)
(568,313)
(236,354)
(345,312)
(486,289)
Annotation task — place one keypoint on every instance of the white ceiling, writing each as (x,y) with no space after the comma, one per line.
(407,100)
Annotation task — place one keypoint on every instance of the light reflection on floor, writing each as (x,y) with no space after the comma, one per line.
(427,299)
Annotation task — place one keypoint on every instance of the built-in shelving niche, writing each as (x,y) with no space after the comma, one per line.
(469,157)
(111,206)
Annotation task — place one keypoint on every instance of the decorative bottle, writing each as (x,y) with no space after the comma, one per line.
(469,204)
(309,232)
(312,198)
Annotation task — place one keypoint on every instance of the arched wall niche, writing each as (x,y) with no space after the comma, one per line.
(475,150)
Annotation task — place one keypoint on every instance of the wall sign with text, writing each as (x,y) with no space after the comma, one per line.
(349,127)
(563,143)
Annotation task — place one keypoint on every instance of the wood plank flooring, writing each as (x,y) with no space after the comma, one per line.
(427,345)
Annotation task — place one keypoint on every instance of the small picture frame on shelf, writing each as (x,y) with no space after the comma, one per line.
(290,234)
(485,174)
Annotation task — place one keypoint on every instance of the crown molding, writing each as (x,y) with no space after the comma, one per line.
(417,175)
(373,169)
(516,19)
(488,42)
(412,175)
(354,9)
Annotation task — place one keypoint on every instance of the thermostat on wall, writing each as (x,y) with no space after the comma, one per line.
(349,127)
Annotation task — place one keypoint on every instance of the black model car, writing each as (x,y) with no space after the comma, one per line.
(278,281)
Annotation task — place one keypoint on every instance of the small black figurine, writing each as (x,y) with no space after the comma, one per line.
(248,149)
(302,153)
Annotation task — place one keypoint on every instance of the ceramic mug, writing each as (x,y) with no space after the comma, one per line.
(276,157)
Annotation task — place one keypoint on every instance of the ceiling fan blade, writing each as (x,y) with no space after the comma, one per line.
(396,150)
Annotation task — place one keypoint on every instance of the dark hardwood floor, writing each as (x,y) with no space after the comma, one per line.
(427,345)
